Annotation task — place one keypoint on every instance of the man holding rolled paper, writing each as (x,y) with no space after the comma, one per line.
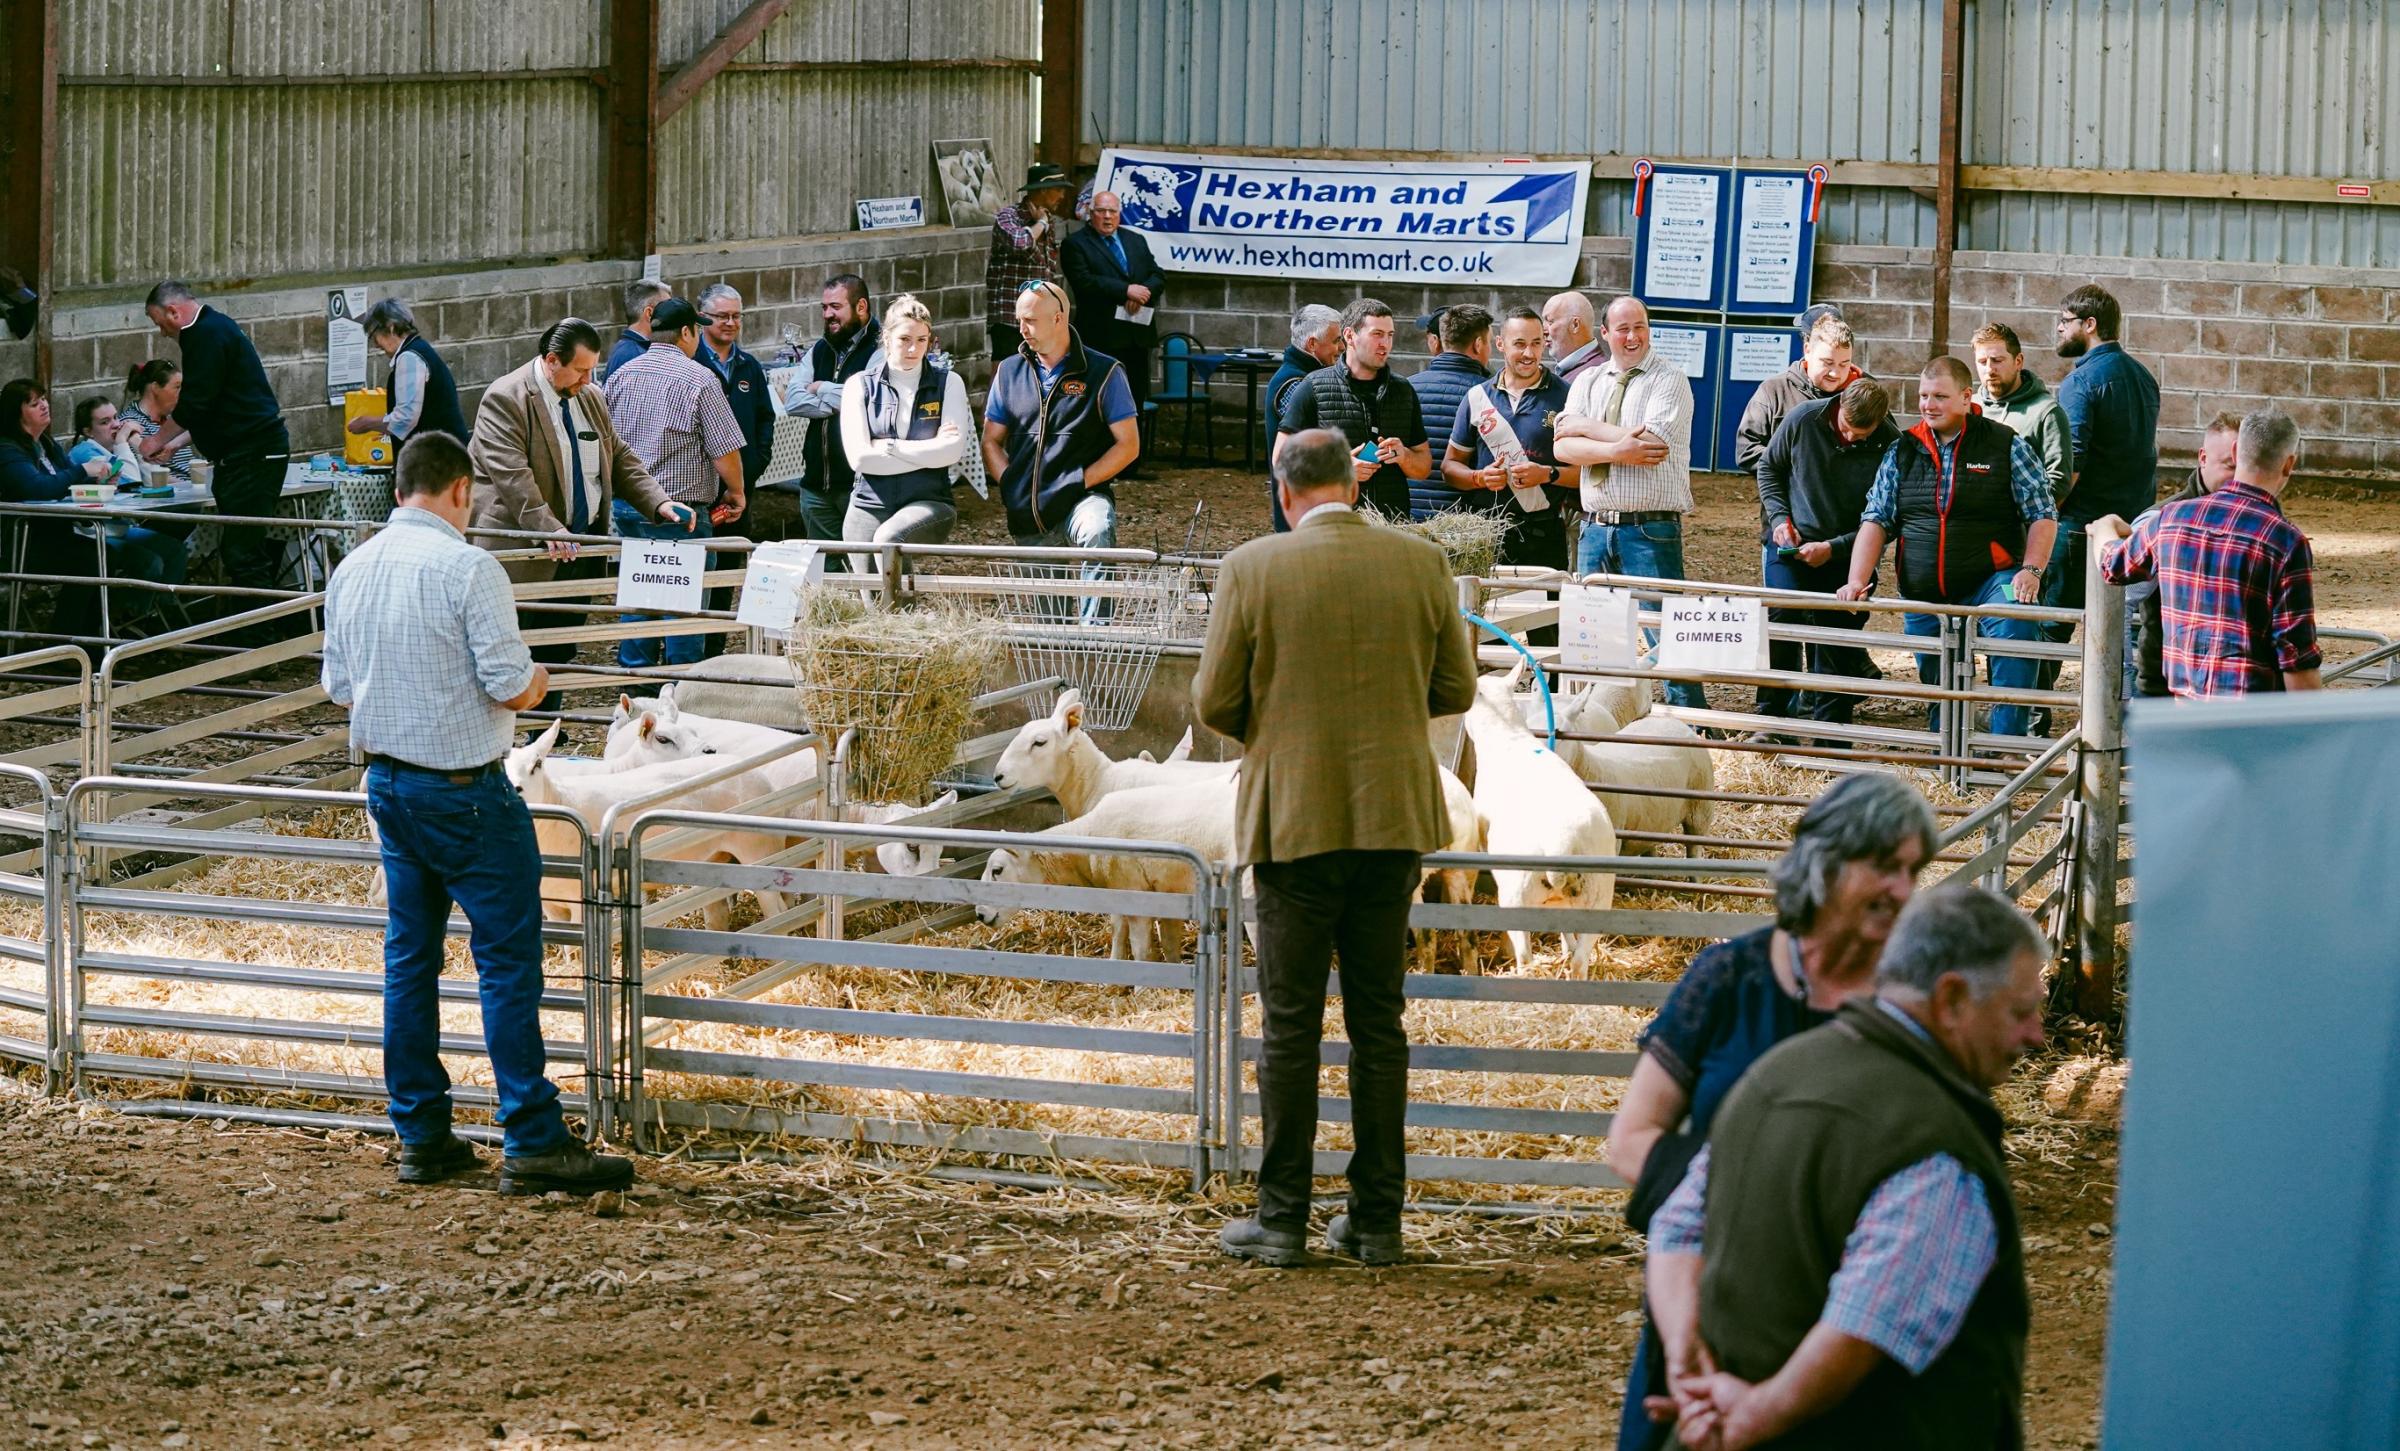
(1500,452)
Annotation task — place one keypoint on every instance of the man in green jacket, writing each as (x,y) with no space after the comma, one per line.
(1840,1266)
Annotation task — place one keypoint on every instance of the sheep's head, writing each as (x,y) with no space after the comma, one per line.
(663,736)
(1004,866)
(525,762)
(1037,757)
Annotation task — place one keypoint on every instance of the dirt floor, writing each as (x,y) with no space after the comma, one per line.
(189,1284)
(182,1284)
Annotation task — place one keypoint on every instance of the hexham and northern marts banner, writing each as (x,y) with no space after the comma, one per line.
(1509,223)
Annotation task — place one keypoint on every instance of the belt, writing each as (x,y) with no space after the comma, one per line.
(1636,516)
(461,777)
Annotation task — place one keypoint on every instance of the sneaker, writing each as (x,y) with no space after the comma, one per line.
(1372,1249)
(1247,1239)
(432,1163)
(570,1168)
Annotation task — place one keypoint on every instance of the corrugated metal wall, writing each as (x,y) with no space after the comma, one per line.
(226,161)
(783,153)
(473,130)
(2276,87)
(2194,85)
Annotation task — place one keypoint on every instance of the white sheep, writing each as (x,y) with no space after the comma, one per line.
(1533,804)
(590,794)
(1196,814)
(1057,752)
(1654,751)
(1631,760)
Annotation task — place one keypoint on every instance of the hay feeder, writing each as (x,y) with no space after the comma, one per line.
(1101,633)
(905,680)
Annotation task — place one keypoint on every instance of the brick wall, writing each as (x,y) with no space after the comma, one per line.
(487,323)
(2322,343)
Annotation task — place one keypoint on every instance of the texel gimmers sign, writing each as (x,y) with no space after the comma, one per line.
(1423,222)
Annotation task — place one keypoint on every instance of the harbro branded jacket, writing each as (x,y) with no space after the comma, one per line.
(1956,514)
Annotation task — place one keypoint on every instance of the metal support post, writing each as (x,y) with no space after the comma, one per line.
(1957,673)
(2103,732)
(599,1059)
(55,1064)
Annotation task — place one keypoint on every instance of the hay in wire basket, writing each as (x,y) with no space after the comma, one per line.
(1470,541)
(905,680)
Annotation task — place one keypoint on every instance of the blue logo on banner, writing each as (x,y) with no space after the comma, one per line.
(1546,198)
(1157,196)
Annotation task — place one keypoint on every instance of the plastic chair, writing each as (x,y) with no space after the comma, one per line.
(1183,382)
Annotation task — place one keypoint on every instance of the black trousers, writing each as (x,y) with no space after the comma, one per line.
(538,617)
(1354,903)
(250,485)
(1831,706)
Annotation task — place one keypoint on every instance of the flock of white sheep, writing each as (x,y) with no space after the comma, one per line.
(1580,798)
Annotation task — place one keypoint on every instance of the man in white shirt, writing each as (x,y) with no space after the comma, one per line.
(1628,424)
(421,646)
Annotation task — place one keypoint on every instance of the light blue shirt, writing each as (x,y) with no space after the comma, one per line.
(421,643)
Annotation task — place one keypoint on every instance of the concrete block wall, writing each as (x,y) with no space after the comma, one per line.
(489,322)
(2321,343)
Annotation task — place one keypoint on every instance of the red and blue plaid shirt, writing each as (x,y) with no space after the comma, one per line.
(2236,590)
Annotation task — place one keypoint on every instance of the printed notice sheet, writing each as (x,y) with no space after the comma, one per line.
(1683,235)
(1767,249)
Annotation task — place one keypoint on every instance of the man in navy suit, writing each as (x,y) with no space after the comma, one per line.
(1107,268)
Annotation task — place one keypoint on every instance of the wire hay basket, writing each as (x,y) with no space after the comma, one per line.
(905,680)
(1100,628)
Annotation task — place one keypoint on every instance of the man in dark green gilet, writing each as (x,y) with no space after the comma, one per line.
(1840,1268)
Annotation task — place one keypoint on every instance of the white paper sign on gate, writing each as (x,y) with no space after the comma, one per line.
(661,574)
(772,582)
(1712,632)
(1597,628)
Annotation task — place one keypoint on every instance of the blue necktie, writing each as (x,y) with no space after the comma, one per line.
(1116,249)
(579,514)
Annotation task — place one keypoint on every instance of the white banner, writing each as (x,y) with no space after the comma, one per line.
(1423,222)
(1712,632)
(661,574)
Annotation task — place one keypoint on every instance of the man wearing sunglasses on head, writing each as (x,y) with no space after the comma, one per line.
(1058,426)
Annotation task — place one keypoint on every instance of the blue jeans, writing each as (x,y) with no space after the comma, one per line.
(472,845)
(1653,551)
(1091,524)
(2008,671)
(681,649)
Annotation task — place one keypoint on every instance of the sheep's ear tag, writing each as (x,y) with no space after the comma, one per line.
(648,725)
(1074,715)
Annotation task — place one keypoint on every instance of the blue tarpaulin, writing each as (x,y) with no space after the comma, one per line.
(2257,1298)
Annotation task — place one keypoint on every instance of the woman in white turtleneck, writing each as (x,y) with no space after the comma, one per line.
(904,423)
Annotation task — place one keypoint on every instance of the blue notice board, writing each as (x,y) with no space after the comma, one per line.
(1751,356)
(1680,238)
(1771,245)
(1693,347)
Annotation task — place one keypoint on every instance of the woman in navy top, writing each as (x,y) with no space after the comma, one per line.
(1852,866)
(34,469)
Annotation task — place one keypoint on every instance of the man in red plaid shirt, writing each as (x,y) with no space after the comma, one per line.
(2235,577)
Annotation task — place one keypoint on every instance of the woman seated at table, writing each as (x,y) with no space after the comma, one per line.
(103,437)
(152,390)
(33,470)
(1852,866)
(905,421)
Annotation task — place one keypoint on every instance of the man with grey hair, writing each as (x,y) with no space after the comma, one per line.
(422,395)
(641,295)
(743,377)
(2236,580)
(1575,347)
(1841,1264)
(1316,343)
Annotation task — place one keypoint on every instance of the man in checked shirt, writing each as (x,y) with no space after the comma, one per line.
(2236,580)
(1840,1266)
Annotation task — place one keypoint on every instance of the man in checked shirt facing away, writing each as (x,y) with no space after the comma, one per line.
(2236,580)
(1840,1266)
(421,646)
